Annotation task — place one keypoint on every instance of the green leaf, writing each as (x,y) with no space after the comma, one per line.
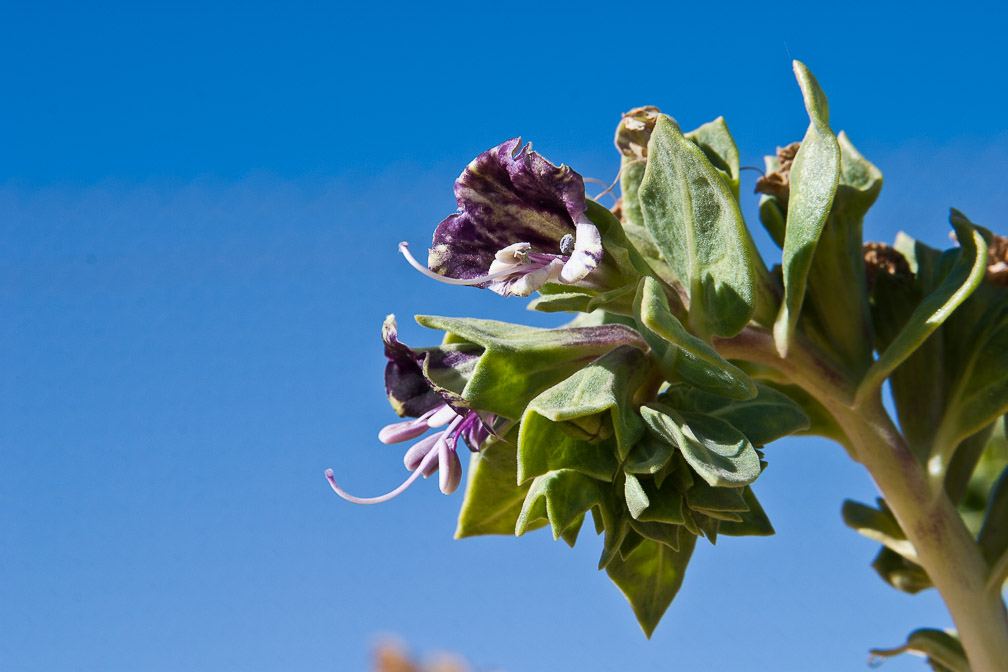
(649,456)
(901,573)
(767,417)
(545,445)
(755,521)
(664,503)
(561,497)
(636,499)
(616,524)
(773,219)
(879,525)
(918,387)
(836,278)
(493,500)
(993,537)
(821,422)
(650,578)
(718,452)
(724,503)
(520,362)
(979,393)
(718,145)
(680,354)
(631,542)
(943,650)
(621,263)
(660,532)
(631,175)
(814,176)
(567,426)
(965,276)
(695,221)
(618,300)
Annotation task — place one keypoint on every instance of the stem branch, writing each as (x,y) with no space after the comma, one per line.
(945,548)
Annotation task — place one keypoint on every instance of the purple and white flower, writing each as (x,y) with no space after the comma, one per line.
(412,393)
(520,224)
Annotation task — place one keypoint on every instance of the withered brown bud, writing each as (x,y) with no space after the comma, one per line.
(777,183)
(885,258)
(997,261)
(634,131)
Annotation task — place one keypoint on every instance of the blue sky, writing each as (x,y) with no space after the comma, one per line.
(199,209)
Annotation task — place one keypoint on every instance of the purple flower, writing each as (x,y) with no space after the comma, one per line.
(521,224)
(412,393)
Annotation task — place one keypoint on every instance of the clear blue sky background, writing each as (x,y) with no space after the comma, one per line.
(199,208)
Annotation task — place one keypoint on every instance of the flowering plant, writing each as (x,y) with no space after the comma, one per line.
(686,355)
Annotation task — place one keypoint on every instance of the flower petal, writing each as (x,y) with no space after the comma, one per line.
(449,470)
(507,196)
(408,390)
(418,451)
(586,256)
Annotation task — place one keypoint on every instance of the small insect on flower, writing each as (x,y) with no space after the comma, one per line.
(520,224)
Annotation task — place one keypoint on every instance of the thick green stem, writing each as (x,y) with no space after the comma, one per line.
(945,548)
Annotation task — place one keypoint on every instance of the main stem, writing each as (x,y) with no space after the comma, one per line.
(945,548)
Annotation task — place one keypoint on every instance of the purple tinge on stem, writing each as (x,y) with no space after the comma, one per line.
(520,223)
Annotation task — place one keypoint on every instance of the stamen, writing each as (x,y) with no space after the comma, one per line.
(404,249)
(442,416)
(398,432)
(452,431)
(431,456)
(567,244)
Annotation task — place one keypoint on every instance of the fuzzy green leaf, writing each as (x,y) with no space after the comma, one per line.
(943,650)
(559,497)
(660,532)
(836,278)
(755,521)
(814,176)
(718,145)
(962,280)
(649,456)
(691,213)
(767,417)
(718,452)
(918,387)
(901,573)
(979,393)
(682,356)
(618,300)
(520,362)
(724,503)
(650,578)
(664,503)
(586,422)
(493,500)
(545,445)
(879,525)
(993,537)
(636,499)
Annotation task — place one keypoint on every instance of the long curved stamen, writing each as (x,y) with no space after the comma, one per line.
(431,456)
(404,249)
